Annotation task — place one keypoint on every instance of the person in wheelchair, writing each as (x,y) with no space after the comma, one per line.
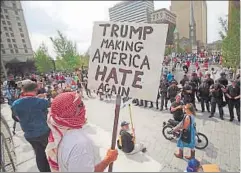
(177,109)
(127,142)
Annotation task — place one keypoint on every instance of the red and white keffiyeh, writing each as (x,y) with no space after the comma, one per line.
(67,112)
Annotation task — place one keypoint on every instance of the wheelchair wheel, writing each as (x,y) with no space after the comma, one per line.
(201,141)
(167,132)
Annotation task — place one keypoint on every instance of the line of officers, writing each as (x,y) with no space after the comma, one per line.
(217,94)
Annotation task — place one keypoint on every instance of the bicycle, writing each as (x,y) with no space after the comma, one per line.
(167,132)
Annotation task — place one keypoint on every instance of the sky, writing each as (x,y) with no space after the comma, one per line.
(75,19)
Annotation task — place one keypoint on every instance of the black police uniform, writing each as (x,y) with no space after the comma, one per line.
(210,81)
(184,80)
(234,92)
(194,86)
(172,91)
(163,93)
(187,97)
(204,95)
(216,99)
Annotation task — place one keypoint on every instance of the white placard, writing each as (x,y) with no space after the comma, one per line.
(125,58)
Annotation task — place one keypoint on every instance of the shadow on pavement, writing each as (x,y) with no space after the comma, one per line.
(138,157)
(211,151)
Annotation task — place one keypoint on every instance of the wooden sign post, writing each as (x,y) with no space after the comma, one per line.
(115,127)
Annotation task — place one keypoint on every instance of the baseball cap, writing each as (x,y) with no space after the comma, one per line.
(124,123)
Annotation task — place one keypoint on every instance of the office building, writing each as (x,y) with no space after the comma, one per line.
(182,11)
(16,49)
(131,11)
(165,16)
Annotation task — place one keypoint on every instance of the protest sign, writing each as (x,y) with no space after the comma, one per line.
(126,58)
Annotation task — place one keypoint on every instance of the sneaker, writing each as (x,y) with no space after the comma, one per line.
(231,119)
(211,116)
(221,118)
(144,150)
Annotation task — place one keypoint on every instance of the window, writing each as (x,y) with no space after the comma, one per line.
(17,18)
(19,24)
(16,12)
(13,40)
(26,51)
(7,34)
(2,16)
(15,46)
(5,11)
(9,23)
(8,40)
(25,46)
(10,46)
(20,29)
(3,22)
(14,5)
(16,50)
(3,51)
(12,34)
(2,46)
(22,35)
(10,29)
(23,40)
(7,17)
(5,28)
(11,51)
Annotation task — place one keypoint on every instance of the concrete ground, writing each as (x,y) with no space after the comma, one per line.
(223,148)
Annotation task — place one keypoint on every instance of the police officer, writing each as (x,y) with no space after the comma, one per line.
(163,92)
(187,92)
(204,95)
(233,94)
(184,80)
(172,91)
(194,86)
(216,99)
(209,80)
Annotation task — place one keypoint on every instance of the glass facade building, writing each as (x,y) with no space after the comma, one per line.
(131,11)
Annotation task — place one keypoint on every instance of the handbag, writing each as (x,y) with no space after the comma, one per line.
(186,134)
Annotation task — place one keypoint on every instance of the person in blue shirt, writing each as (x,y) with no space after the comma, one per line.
(169,76)
(31,111)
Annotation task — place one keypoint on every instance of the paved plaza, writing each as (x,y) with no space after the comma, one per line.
(223,148)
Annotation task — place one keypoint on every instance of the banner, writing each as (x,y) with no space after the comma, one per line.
(126,58)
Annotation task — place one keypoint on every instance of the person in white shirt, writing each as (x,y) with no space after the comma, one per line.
(69,149)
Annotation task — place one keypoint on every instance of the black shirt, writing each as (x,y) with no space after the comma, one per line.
(233,91)
(127,141)
(172,91)
(210,81)
(217,93)
(41,91)
(163,85)
(223,81)
(178,114)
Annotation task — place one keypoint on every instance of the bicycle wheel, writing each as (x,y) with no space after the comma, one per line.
(201,141)
(167,132)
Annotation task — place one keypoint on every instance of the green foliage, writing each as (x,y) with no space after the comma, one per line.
(231,43)
(224,24)
(168,51)
(67,57)
(43,62)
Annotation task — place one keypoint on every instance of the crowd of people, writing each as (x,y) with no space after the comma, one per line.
(51,113)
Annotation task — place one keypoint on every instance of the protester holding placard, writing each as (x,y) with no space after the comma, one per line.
(69,149)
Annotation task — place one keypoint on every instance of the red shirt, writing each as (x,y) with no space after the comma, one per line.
(188,63)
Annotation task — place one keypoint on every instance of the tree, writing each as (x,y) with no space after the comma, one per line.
(224,24)
(43,62)
(66,51)
(231,43)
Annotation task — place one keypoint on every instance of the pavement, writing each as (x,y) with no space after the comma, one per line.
(223,136)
